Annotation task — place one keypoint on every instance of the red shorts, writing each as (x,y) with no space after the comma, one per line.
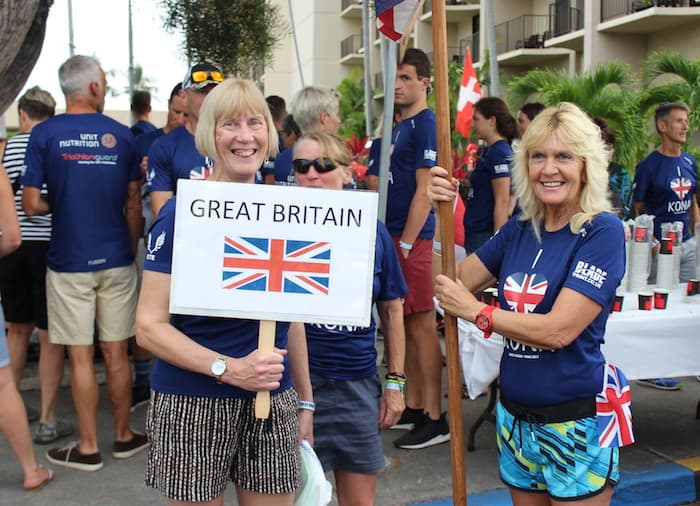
(417,270)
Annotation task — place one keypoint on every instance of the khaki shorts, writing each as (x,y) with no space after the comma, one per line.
(77,301)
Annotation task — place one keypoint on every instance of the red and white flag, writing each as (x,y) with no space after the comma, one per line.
(394,17)
(469,94)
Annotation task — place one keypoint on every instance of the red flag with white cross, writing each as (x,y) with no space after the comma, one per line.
(469,94)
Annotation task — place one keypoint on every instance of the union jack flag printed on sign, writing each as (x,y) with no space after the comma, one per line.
(524,291)
(276,265)
(681,186)
(614,410)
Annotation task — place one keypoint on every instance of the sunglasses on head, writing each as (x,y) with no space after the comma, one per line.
(322,165)
(202,75)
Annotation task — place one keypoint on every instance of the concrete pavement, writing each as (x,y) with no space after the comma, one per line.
(661,469)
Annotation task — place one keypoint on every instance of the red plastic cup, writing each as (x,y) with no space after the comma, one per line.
(617,303)
(640,234)
(660,298)
(666,246)
(693,287)
(645,300)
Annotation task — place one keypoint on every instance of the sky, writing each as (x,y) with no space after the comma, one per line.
(101,29)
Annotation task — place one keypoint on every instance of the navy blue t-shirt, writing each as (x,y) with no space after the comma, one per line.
(374,157)
(344,352)
(174,156)
(86,162)
(414,147)
(233,337)
(667,186)
(145,141)
(494,163)
(142,127)
(281,167)
(531,275)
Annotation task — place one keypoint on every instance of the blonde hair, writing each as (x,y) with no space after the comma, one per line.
(331,145)
(229,99)
(574,129)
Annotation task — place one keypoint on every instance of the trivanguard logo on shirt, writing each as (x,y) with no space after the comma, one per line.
(430,154)
(589,273)
(160,240)
(501,168)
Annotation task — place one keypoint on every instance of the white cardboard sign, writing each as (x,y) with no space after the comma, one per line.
(273,253)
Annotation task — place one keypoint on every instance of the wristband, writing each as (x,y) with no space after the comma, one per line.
(437,246)
(392,384)
(307,405)
(396,376)
(405,245)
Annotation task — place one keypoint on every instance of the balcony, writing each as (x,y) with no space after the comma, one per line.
(646,16)
(471,42)
(452,55)
(455,10)
(351,50)
(521,40)
(351,8)
(566,28)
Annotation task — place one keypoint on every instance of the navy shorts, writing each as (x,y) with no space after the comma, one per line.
(23,284)
(346,424)
(562,459)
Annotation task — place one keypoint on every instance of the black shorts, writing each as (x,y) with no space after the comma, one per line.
(23,284)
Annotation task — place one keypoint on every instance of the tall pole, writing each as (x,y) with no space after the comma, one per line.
(71,45)
(495,87)
(454,371)
(367,63)
(389,60)
(131,55)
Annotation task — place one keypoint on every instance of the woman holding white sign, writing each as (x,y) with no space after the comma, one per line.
(201,421)
(350,406)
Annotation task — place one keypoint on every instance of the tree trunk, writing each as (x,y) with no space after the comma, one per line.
(22,30)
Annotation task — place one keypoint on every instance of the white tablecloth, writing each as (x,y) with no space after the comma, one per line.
(656,343)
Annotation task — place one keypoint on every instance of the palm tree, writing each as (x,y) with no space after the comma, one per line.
(671,77)
(608,91)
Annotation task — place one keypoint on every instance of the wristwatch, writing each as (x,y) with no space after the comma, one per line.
(484,320)
(218,368)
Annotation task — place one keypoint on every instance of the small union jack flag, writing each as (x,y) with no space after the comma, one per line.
(614,410)
(276,265)
(524,291)
(200,173)
(681,186)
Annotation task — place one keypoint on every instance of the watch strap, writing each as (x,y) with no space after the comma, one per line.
(487,312)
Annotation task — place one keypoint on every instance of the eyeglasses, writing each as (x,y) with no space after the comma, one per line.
(202,75)
(322,165)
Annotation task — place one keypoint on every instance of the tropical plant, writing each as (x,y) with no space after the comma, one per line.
(671,77)
(608,91)
(351,105)
(141,82)
(239,36)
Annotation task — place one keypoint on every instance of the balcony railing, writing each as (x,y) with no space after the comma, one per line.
(452,55)
(564,20)
(529,31)
(471,42)
(350,45)
(428,5)
(610,9)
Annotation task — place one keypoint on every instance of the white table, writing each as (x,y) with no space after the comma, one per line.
(657,343)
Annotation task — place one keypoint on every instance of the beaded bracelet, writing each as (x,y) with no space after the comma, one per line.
(307,405)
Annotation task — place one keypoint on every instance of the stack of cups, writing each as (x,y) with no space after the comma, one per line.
(639,259)
(664,267)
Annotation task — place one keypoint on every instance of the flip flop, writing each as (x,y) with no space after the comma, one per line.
(42,483)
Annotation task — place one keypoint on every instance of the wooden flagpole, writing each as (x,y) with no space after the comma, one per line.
(454,370)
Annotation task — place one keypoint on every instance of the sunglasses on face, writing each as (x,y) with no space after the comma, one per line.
(322,165)
(202,75)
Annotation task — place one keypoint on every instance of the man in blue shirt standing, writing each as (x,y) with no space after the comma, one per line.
(665,184)
(88,164)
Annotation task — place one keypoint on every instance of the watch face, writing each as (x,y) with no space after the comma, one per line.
(218,367)
(482,322)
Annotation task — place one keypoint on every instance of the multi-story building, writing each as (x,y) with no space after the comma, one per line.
(324,40)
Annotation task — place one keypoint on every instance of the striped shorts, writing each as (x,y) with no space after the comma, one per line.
(198,444)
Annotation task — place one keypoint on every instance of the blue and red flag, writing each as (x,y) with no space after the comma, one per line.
(614,410)
(276,265)
(394,17)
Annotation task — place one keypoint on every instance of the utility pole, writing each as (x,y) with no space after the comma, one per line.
(131,55)
(71,45)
